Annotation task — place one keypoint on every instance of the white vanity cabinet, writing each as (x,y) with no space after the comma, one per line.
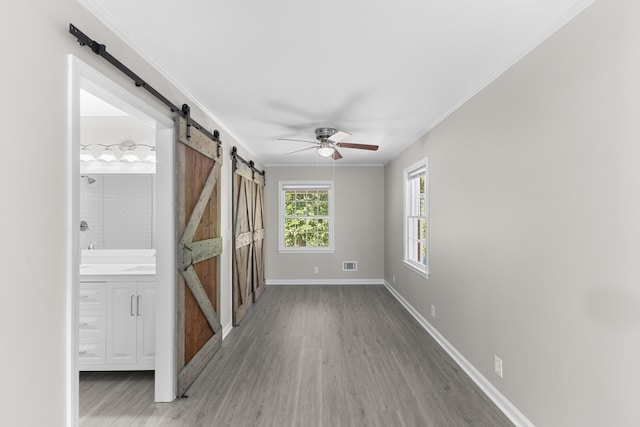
(92,324)
(117,325)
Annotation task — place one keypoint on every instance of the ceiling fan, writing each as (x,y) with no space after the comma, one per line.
(329,140)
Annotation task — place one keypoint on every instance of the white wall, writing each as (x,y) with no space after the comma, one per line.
(359,207)
(535,225)
(34,169)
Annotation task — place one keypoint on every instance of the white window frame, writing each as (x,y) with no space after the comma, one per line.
(421,269)
(289,185)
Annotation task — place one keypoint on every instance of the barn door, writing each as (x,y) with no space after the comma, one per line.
(258,237)
(248,236)
(242,240)
(198,163)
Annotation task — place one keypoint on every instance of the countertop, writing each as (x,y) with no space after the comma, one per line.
(117,270)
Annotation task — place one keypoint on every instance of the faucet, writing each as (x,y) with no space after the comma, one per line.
(92,246)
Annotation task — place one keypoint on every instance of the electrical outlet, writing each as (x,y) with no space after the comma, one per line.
(497,365)
(316,270)
(393,278)
(433,311)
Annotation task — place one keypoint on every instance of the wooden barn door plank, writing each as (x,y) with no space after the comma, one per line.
(201,205)
(248,240)
(242,240)
(196,252)
(199,161)
(259,282)
(204,303)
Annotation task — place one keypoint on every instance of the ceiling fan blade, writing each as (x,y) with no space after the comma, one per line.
(302,149)
(339,136)
(336,154)
(358,146)
(298,140)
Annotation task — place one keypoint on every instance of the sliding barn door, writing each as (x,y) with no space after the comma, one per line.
(248,236)
(242,240)
(198,163)
(259,281)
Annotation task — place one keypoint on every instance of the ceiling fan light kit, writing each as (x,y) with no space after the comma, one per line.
(325,150)
(329,140)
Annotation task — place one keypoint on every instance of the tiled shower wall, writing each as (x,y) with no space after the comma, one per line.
(91,211)
(119,211)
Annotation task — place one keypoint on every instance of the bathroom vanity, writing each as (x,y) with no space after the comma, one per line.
(117,310)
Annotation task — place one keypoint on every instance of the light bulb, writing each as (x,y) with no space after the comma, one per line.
(325,150)
(107,155)
(130,155)
(86,155)
(151,155)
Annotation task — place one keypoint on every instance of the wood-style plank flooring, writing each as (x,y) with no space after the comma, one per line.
(308,356)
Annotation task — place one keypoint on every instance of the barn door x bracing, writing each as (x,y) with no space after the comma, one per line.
(248,231)
(259,282)
(199,160)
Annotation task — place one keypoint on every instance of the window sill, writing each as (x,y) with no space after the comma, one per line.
(306,251)
(419,271)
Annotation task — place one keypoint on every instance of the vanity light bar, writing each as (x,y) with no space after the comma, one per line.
(128,153)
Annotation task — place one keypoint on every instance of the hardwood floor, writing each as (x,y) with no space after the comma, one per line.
(308,356)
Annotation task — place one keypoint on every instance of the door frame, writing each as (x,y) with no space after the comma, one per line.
(82,75)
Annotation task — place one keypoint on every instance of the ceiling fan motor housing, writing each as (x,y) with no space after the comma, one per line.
(325,133)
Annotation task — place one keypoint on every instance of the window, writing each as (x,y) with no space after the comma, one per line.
(416,211)
(306,216)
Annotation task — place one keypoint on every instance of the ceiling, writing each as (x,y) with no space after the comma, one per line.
(384,71)
(93,106)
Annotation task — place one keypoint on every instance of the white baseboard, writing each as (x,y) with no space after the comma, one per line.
(492,393)
(226,329)
(325,282)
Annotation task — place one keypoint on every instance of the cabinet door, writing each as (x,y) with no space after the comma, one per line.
(91,324)
(146,310)
(121,323)
(91,296)
(90,351)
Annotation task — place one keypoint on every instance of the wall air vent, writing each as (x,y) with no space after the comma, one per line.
(349,266)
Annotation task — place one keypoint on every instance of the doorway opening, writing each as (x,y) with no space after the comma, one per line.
(121,148)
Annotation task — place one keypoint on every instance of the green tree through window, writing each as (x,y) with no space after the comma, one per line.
(306,216)
(416,187)
(306,221)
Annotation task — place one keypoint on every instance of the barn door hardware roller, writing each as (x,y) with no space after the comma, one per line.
(250,163)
